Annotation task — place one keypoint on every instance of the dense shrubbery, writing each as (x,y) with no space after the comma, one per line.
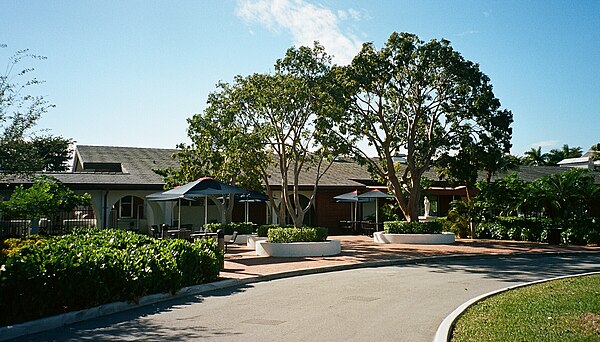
(229,228)
(91,267)
(574,231)
(404,227)
(263,231)
(291,234)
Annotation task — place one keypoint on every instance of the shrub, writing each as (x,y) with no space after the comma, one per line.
(581,231)
(91,267)
(263,230)
(11,246)
(305,234)
(229,228)
(404,227)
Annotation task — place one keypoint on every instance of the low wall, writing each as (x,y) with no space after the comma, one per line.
(423,239)
(251,241)
(298,249)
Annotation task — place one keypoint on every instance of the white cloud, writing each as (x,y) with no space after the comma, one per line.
(466,33)
(306,23)
(546,144)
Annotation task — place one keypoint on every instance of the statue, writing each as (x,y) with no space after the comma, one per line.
(427,206)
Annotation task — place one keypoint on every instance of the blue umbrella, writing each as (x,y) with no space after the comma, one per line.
(202,187)
(376,194)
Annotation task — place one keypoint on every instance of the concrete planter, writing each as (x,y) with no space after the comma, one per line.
(298,249)
(422,239)
(251,241)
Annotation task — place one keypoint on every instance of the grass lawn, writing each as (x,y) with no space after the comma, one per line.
(560,310)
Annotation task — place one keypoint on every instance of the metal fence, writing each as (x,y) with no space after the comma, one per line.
(56,224)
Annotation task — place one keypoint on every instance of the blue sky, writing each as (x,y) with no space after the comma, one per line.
(130,73)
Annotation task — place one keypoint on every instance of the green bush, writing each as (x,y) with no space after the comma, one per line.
(229,228)
(263,231)
(404,227)
(580,231)
(305,234)
(93,267)
(11,246)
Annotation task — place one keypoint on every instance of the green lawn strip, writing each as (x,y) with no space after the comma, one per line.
(559,310)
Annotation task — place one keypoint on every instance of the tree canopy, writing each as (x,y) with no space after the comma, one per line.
(424,99)
(47,196)
(23,151)
(262,121)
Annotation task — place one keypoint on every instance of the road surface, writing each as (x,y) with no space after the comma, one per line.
(394,303)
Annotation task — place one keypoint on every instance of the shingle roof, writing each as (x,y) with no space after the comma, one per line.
(138,163)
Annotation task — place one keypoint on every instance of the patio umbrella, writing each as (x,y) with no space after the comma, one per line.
(251,197)
(353,199)
(376,194)
(202,187)
(162,197)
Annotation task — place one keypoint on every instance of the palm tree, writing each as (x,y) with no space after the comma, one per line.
(535,157)
(595,151)
(556,155)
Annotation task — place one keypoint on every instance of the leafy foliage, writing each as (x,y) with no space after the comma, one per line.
(229,228)
(412,227)
(263,231)
(292,234)
(425,99)
(22,152)
(91,267)
(556,155)
(44,198)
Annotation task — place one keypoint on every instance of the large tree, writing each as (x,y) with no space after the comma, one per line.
(287,109)
(266,121)
(423,99)
(221,147)
(23,151)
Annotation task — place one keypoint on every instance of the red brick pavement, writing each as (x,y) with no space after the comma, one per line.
(242,262)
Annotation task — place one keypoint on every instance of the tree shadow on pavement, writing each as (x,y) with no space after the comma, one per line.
(518,269)
(144,323)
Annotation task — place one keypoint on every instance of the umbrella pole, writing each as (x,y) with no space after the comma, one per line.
(376,215)
(246,216)
(205,209)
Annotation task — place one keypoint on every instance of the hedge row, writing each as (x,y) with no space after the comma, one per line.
(290,234)
(94,267)
(229,228)
(574,232)
(404,227)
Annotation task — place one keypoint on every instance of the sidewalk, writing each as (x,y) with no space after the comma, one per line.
(241,262)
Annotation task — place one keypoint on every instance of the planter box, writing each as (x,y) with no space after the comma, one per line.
(298,249)
(423,239)
(251,241)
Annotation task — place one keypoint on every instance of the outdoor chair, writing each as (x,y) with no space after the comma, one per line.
(231,241)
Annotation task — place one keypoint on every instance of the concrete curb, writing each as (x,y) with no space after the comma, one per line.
(52,322)
(443,332)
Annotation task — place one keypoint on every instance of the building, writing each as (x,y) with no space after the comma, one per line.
(119,179)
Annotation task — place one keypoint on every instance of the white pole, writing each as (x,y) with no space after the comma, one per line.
(179,215)
(376,215)
(247,216)
(205,209)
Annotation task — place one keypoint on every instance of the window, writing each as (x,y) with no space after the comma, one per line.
(126,207)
